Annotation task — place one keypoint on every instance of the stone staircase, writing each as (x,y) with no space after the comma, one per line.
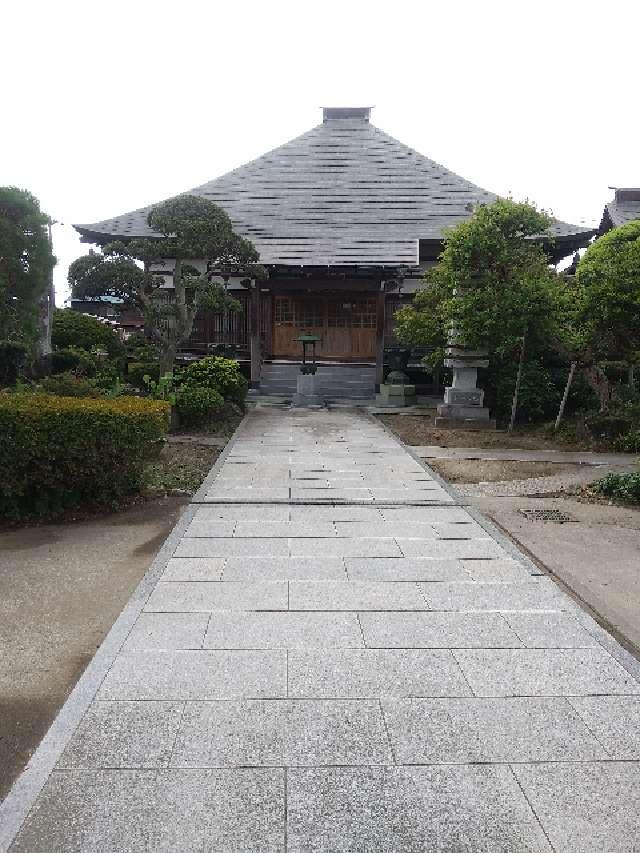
(337,381)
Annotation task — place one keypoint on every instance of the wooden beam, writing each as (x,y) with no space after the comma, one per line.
(380,319)
(256,355)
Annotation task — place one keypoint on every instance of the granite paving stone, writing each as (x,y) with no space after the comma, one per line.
(124,734)
(290,732)
(355,595)
(284,569)
(206,674)
(406,569)
(184,597)
(413,810)
(496,570)
(437,630)
(614,720)
(450,549)
(535,594)
(168,631)
(585,807)
(345,547)
(464,731)
(371,673)
(193,569)
(283,630)
(549,630)
(544,672)
(267,547)
(137,811)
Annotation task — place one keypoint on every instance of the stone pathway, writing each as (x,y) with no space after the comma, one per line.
(332,654)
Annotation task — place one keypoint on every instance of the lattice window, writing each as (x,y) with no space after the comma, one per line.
(352,314)
(284,312)
(309,314)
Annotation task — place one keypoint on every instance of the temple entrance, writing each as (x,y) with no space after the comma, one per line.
(345,323)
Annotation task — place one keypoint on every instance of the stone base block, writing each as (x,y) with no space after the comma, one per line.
(307,391)
(462,412)
(465,423)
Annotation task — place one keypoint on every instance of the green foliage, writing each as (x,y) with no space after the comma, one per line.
(607,309)
(73,329)
(187,228)
(629,442)
(162,389)
(140,348)
(69,384)
(221,374)
(137,370)
(58,453)
(26,262)
(491,282)
(196,404)
(538,398)
(12,357)
(622,487)
(75,359)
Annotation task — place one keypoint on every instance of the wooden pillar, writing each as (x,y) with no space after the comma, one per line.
(380,321)
(256,355)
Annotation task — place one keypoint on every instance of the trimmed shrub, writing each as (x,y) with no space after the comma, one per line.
(69,385)
(137,370)
(607,427)
(196,405)
(59,453)
(221,374)
(623,487)
(78,360)
(12,357)
(72,329)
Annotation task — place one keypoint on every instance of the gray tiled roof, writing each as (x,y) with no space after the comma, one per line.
(625,207)
(343,193)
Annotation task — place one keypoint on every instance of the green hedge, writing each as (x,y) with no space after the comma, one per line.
(73,329)
(61,453)
(221,374)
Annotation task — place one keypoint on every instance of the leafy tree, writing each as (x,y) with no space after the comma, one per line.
(26,262)
(188,228)
(607,296)
(492,286)
(73,329)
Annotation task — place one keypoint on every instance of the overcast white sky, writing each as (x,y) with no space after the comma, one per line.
(109,107)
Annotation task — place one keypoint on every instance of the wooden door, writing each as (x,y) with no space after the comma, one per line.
(346,325)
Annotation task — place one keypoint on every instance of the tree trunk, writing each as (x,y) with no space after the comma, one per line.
(516,390)
(563,402)
(167,357)
(631,376)
(599,382)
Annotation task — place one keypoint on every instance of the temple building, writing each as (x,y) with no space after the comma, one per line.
(346,219)
(624,207)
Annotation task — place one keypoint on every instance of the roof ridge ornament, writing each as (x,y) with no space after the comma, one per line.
(349,113)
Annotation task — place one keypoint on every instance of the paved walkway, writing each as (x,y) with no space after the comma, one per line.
(331,654)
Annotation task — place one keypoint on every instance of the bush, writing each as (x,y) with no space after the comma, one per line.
(196,405)
(137,370)
(80,361)
(629,443)
(69,385)
(221,374)
(607,427)
(12,357)
(623,487)
(58,453)
(72,329)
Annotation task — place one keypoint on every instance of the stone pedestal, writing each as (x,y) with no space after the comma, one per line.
(396,395)
(307,390)
(463,400)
